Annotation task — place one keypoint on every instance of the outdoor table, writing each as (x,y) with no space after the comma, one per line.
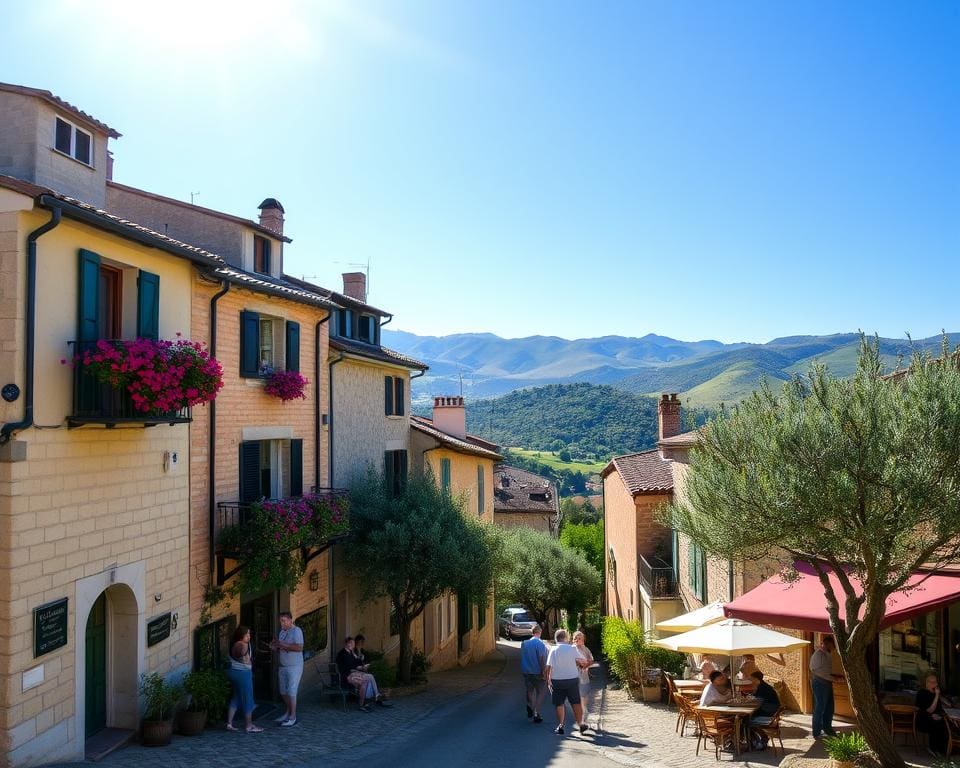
(737,712)
(691,689)
(952,713)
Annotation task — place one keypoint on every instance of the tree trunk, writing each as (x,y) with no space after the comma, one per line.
(869,717)
(406,655)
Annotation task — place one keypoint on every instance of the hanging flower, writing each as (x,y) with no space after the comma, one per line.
(286,385)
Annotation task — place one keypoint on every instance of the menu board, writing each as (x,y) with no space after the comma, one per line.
(158,629)
(49,627)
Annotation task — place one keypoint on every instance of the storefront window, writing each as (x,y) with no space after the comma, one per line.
(909,651)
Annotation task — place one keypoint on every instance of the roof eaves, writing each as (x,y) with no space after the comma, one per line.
(263,284)
(66,106)
(340,298)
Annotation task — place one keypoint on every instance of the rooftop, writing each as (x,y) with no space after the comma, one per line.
(66,106)
(518,490)
(470,444)
(643,472)
(374,352)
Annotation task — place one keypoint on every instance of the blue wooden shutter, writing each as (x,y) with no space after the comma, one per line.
(296,467)
(88,297)
(148,305)
(388,395)
(399,399)
(293,346)
(250,471)
(249,343)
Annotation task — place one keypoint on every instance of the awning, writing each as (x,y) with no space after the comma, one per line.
(802,605)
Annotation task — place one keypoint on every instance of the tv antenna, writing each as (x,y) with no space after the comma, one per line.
(194,195)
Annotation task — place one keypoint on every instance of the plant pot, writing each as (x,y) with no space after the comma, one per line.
(156,733)
(834,763)
(191,723)
(651,693)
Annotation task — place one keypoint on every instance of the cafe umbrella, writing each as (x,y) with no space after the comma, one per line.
(699,617)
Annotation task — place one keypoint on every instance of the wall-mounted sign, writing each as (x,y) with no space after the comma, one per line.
(49,627)
(158,629)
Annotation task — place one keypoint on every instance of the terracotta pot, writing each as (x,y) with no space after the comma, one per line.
(191,723)
(156,733)
(841,763)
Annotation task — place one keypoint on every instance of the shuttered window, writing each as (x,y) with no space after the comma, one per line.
(250,477)
(148,305)
(697,576)
(445,475)
(258,353)
(261,255)
(395,471)
(481,489)
(394,395)
(296,467)
(292,359)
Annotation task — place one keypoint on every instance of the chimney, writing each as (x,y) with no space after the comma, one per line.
(450,416)
(668,415)
(355,286)
(271,215)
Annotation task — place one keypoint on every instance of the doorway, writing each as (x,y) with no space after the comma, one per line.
(95,688)
(259,614)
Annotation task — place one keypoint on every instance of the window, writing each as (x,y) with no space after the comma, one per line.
(267,344)
(73,141)
(314,626)
(345,323)
(367,329)
(261,255)
(212,640)
(481,491)
(395,471)
(697,577)
(270,469)
(394,398)
(445,475)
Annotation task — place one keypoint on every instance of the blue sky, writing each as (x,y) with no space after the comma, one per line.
(728,170)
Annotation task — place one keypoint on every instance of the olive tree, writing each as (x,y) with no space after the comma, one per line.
(858,478)
(412,547)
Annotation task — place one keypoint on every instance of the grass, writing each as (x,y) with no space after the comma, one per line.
(552,460)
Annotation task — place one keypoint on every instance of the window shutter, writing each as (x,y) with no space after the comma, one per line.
(88,297)
(293,346)
(250,471)
(445,474)
(388,395)
(399,398)
(480,490)
(388,474)
(148,305)
(296,467)
(249,343)
(402,470)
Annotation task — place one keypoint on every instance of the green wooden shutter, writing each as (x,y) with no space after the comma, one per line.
(388,395)
(399,399)
(148,305)
(293,346)
(445,475)
(402,470)
(388,473)
(296,467)
(249,343)
(88,297)
(250,471)
(481,491)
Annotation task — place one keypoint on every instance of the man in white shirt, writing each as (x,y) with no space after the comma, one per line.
(563,679)
(821,679)
(289,647)
(716,691)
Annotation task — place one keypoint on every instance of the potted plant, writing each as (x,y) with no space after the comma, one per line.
(844,749)
(285,385)
(160,700)
(650,681)
(207,691)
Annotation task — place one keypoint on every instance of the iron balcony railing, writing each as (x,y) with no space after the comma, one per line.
(659,581)
(231,513)
(96,403)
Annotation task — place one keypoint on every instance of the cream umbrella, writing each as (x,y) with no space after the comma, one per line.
(699,617)
(732,637)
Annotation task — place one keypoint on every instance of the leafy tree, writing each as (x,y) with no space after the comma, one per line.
(572,512)
(537,572)
(564,455)
(415,546)
(586,538)
(858,478)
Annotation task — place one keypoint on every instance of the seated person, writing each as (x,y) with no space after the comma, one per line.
(716,691)
(931,718)
(352,672)
(706,667)
(748,666)
(764,715)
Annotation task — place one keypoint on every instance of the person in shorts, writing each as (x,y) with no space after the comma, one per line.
(289,648)
(533,660)
(563,679)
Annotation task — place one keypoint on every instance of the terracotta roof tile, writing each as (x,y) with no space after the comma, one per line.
(373,352)
(684,439)
(466,445)
(644,472)
(515,495)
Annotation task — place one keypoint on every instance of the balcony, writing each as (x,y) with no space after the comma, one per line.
(658,580)
(97,403)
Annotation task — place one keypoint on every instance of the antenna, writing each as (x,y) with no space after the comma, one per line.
(460,374)
(193,195)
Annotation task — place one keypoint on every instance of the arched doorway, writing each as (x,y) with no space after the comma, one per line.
(95,684)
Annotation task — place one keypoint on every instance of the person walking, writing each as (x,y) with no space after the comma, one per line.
(563,679)
(533,660)
(579,642)
(821,680)
(241,678)
(289,648)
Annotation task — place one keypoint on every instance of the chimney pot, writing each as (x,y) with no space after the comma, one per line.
(450,416)
(668,415)
(271,215)
(355,286)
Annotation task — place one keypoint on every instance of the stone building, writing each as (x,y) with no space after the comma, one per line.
(523,498)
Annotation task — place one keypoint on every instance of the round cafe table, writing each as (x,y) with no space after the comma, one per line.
(737,712)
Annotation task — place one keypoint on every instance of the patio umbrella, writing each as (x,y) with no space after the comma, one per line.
(700,617)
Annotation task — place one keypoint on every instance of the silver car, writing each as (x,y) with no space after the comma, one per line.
(516,622)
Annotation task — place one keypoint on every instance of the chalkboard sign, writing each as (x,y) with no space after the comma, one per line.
(49,627)
(158,629)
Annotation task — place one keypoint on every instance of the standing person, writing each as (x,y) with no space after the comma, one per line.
(533,660)
(579,642)
(821,679)
(289,647)
(563,679)
(241,678)
(930,715)
(706,667)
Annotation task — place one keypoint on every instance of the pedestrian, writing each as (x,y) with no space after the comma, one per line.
(533,660)
(241,678)
(821,680)
(579,642)
(563,679)
(289,648)
(354,672)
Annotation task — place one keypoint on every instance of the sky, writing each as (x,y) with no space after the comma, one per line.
(729,170)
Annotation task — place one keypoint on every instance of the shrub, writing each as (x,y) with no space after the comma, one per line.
(385,672)
(419,666)
(160,697)
(209,690)
(845,747)
(628,649)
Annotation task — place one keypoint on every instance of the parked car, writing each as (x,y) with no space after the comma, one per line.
(516,622)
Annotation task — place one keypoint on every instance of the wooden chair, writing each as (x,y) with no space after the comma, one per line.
(771,730)
(671,688)
(686,713)
(715,728)
(902,718)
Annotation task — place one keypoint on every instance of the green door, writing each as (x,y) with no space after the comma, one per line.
(96,671)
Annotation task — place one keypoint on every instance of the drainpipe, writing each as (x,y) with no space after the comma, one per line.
(331,420)
(212,432)
(316,401)
(6,432)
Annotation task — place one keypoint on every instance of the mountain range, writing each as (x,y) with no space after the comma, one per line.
(707,373)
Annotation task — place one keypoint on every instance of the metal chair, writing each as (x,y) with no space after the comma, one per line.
(331,684)
(902,718)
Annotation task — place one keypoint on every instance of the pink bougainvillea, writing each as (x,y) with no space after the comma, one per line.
(161,376)
(286,385)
